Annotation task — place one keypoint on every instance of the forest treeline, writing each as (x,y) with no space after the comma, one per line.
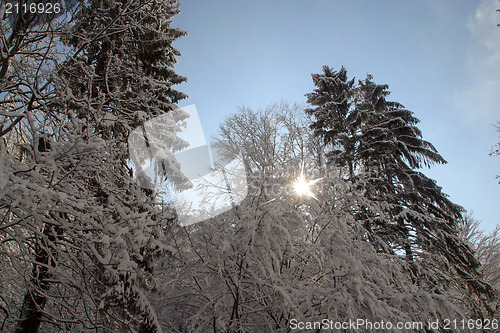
(83,248)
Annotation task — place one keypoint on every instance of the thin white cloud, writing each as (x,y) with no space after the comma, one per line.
(483,96)
(483,24)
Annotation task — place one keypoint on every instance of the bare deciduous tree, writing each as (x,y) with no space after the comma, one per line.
(280,256)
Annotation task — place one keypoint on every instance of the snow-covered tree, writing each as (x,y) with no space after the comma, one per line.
(382,148)
(77,235)
(487,248)
(280,255)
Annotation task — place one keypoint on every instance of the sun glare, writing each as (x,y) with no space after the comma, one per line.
(303,186)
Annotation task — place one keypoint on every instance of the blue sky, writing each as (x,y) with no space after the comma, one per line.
(441,60)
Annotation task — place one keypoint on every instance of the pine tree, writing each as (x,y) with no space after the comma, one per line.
(379,142)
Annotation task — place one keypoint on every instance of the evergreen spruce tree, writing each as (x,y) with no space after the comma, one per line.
(382,148)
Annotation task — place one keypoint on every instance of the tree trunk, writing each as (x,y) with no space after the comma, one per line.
(35,297)
(351,172)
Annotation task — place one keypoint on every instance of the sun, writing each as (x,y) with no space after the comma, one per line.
(303,187)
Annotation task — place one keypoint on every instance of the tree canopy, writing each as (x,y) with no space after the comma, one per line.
(78,235)
(381,147)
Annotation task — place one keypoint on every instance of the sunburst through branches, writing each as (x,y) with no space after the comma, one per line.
(303,187)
